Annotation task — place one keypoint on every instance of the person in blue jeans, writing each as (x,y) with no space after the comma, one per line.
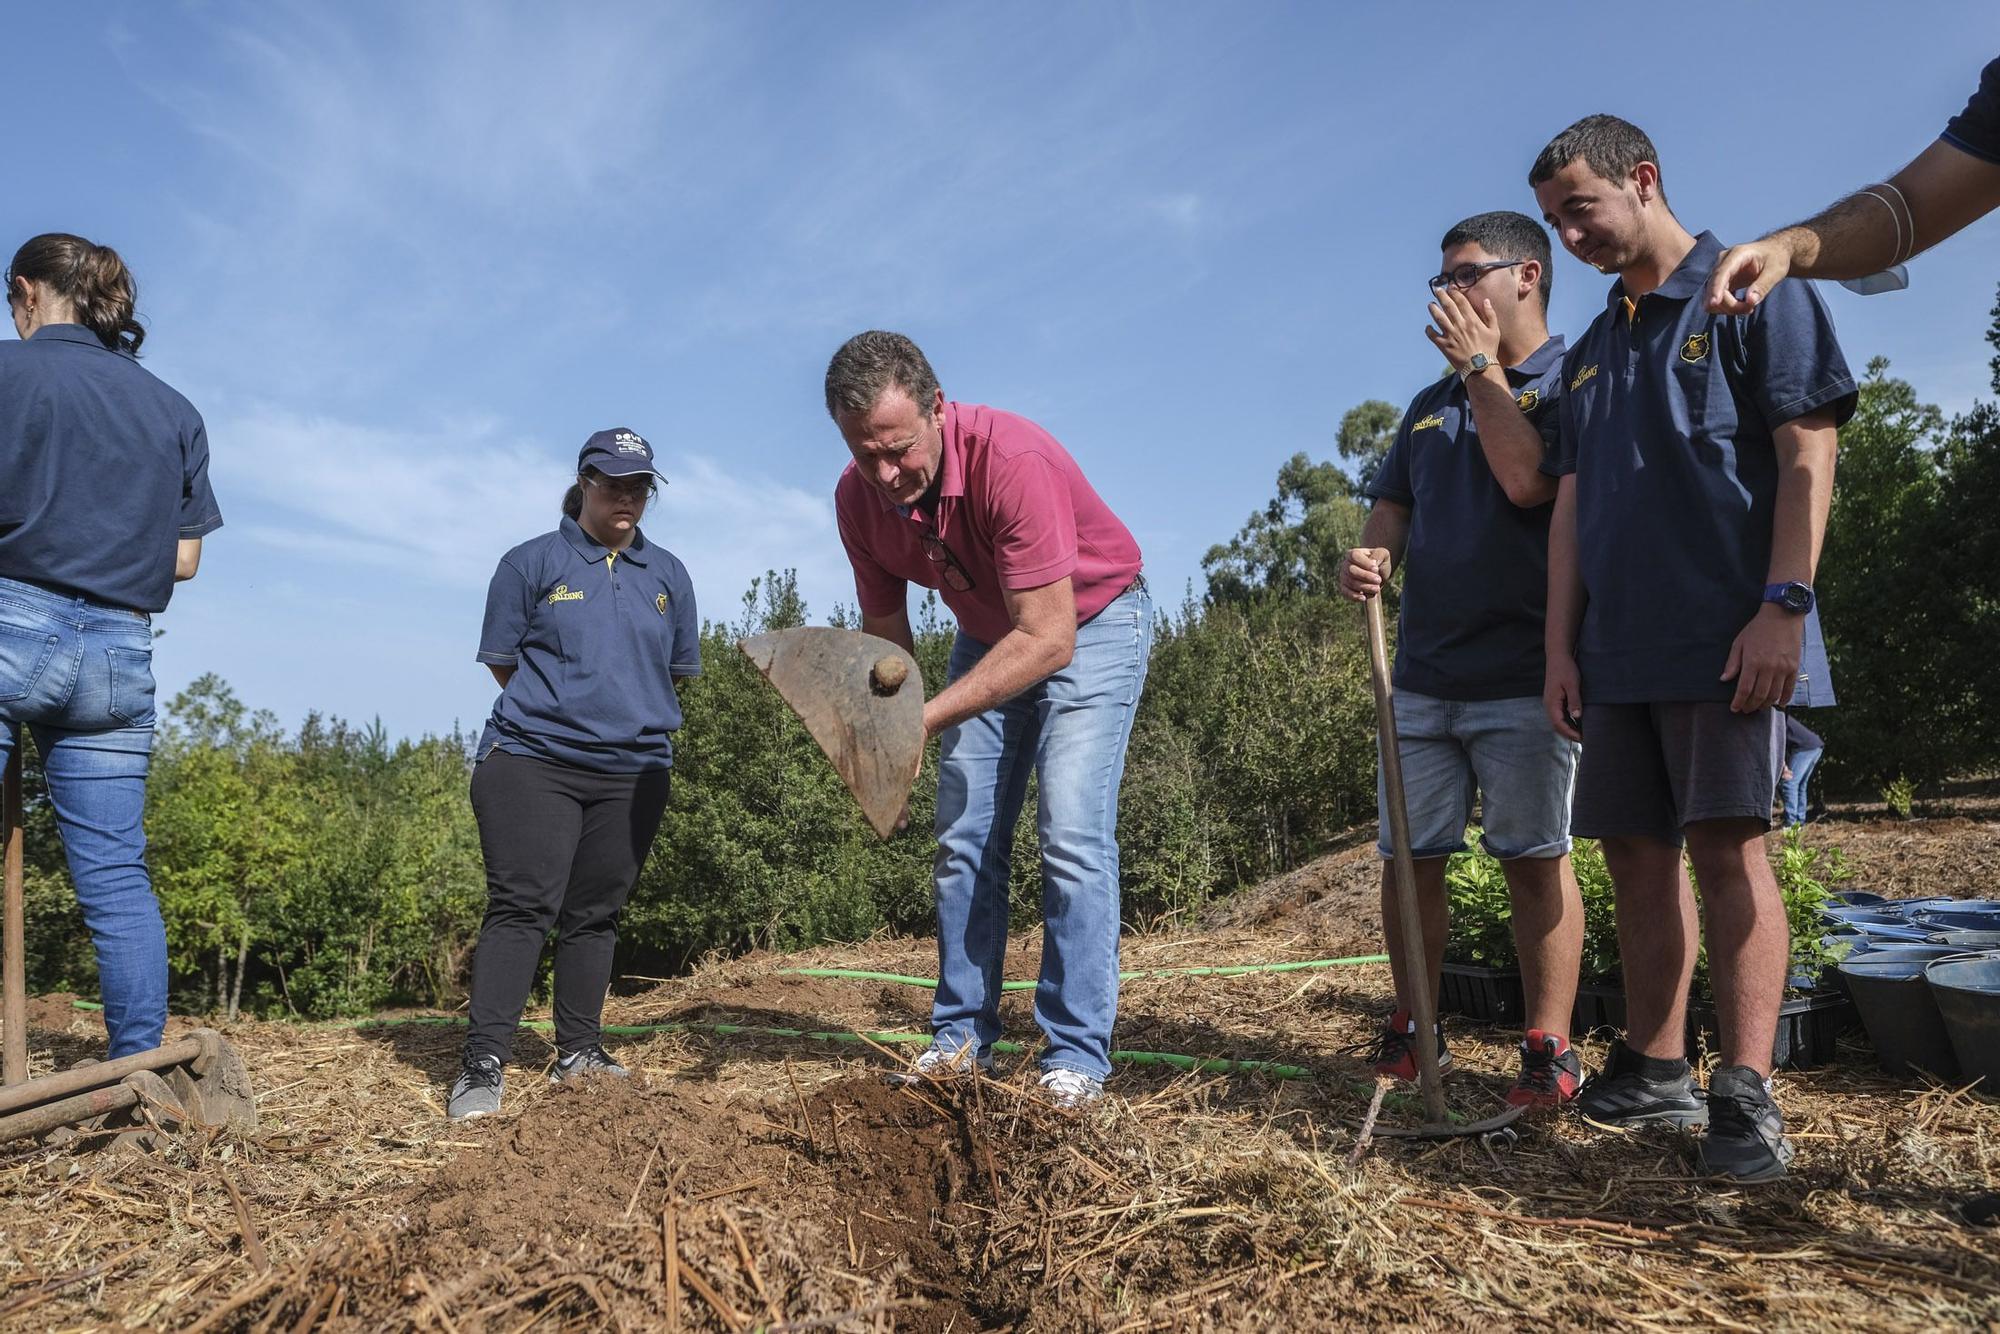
(1055,628)
(104,505)
(1803,751)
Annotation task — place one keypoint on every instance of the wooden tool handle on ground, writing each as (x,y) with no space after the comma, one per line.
(14,964)
(1423,1002)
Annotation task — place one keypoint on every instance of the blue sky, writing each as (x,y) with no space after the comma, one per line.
(406,257)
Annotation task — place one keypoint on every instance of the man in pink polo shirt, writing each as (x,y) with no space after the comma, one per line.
(1055,627)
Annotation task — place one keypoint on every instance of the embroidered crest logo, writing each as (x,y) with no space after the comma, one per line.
(661,603)
(1528,399)
(563,593)
(1695,348)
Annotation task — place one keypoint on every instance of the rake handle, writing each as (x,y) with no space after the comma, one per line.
(1423,1003)
(14,965)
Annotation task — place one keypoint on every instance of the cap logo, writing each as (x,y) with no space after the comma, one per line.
(1695,348)
(627,443)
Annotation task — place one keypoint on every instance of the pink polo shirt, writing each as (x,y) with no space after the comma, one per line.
(1012,507)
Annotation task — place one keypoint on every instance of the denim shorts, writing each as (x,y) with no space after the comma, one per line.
(1502,750)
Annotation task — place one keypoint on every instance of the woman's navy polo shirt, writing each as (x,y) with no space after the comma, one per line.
(103,470)
(595,640)
(1668,413)
(1476,570)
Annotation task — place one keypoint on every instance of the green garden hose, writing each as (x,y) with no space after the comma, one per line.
(1221,970)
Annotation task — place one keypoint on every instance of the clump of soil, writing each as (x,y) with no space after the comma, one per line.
(850,1199)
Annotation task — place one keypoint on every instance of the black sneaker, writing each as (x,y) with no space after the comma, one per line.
(476,1091)
(1393,1051)
(1620,1097)
(1746,1131)
(591,1060)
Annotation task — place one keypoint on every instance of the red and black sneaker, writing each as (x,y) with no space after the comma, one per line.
(1550,1072)
(1392,1052)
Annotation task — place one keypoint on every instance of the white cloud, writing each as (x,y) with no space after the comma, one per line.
(441,502)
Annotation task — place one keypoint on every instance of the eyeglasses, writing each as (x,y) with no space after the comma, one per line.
(1465,275)
(938,553)
(646,490)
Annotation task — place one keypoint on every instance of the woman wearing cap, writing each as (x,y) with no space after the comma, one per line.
(588,628)
(104,499)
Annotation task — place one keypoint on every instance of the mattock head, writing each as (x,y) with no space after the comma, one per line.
(852,691)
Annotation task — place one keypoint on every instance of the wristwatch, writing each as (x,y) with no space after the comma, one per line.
(1480,361)
(1794,597)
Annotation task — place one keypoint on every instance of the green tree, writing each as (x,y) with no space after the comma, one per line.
(1366,431)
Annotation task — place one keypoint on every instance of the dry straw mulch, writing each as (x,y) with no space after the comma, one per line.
(738,1183)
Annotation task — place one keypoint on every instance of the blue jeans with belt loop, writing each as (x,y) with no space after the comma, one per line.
(1072,729)
(81,676)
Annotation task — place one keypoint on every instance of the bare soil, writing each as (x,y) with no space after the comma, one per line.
(742,1181)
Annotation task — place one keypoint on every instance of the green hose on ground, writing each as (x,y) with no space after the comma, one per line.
(1222,970)
(1175,1060)
(1213,1065)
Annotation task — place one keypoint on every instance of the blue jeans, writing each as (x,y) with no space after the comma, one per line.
(81,676)
(1793,789)
(1072,729)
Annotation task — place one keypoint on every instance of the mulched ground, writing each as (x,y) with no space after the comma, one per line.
(748,1182)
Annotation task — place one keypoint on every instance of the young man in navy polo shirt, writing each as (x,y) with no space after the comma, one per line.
(1463,497)
(1696,470)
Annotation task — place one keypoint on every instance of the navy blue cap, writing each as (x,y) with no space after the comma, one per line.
(618,452)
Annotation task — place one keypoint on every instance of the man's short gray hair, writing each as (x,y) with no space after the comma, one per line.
(868,363)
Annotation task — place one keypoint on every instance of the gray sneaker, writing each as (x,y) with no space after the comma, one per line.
(591,1060)
(476,1091)
(944,1063)
(1746,1131)
(1618,1097)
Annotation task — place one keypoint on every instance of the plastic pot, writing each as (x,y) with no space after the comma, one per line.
(1915,933)
(1967,940)
(1858,898)
(1903,1022)
(1966,917)
(1967,995)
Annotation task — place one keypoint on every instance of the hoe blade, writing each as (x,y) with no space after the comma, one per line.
(862,698)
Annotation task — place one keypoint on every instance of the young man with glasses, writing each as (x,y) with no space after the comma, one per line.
(1696,471)
(1462,504)
(1054,631)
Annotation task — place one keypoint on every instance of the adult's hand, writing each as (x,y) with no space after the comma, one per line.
(1764,659)
(1459,329)
(1562,696)
(1753,269)
(1363,571)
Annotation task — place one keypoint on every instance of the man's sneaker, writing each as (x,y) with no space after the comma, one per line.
(1550,1073)
(1393,1051)
(1629,1092)
(1070,1089)
(476,1091)
(591,1060)
(1746,1131)
(944,1063)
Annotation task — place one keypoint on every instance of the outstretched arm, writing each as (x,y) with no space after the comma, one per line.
(1945,190)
